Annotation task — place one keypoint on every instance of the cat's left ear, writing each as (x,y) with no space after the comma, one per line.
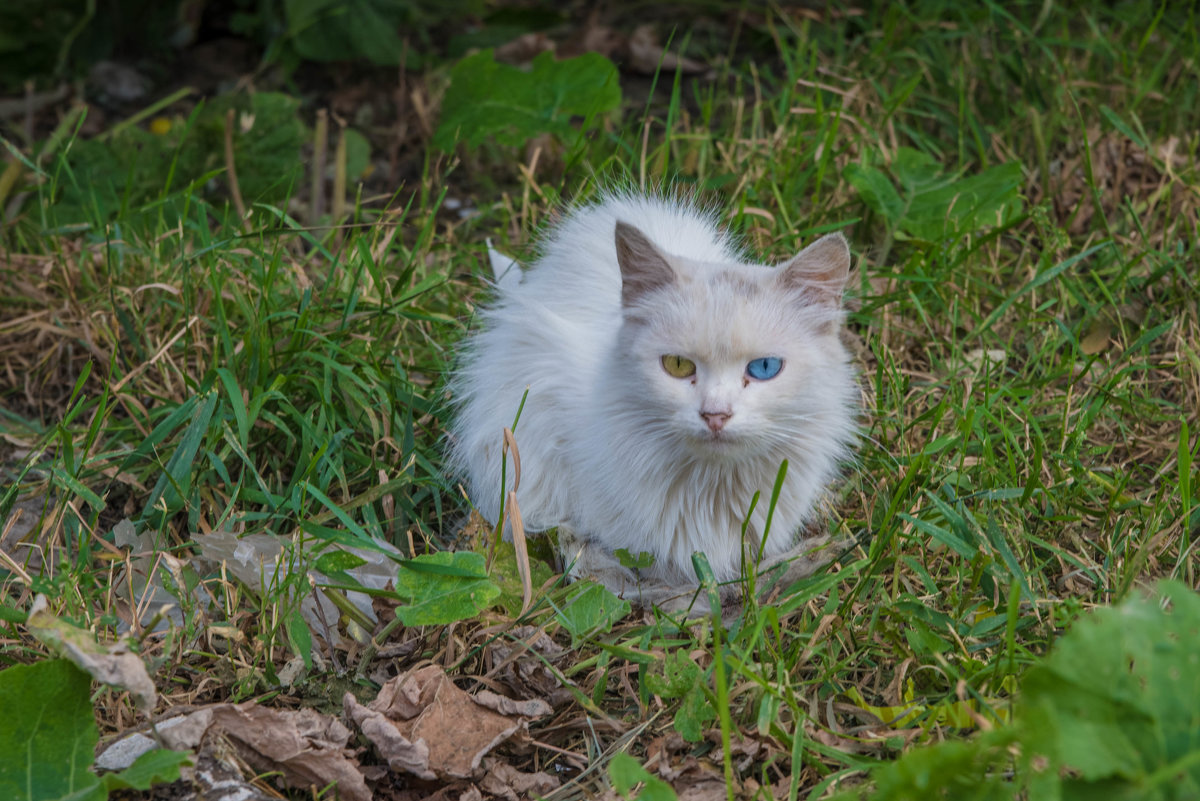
(820,271)
(643,266)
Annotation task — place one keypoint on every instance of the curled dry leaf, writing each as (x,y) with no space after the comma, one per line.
(523,666)
(523,49)
(251,557)
(217,778)
(422,724)
(641,51)
(696,777)
(504,781)
(646,55)
(304,746)
(154,606)
(1097,338)
(979,358)
(114,665)
(531,708)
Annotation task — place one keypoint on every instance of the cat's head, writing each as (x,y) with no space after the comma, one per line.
(731,357)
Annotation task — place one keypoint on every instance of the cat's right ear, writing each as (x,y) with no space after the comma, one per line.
(643,267)
(820,271)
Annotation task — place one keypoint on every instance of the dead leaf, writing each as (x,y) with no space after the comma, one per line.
(523,665)
(216,777)
(505,781)
(978,358)
(458,791)
(304,746)
(115,664)
(522,49)
(252,557)
(421,723)
(844,744)
(593,38)
(705,790)
(530,708)
(647,56)
(640,51)
(1097,338)
(402,754)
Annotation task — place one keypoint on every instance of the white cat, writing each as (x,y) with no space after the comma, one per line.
(668,378)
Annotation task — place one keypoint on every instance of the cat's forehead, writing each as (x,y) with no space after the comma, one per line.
(727,315)
(732,276)
(731,290)
(734,282)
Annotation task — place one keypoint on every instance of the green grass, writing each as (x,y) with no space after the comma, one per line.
(1031,380)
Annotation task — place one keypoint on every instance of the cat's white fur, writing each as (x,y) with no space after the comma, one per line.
(614,450)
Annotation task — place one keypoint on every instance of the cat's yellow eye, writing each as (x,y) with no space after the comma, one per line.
(678,366)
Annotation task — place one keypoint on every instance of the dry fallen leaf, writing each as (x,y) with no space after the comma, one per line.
(523,49)
(978,358)
(1096,339)
(304,746)
(114,664)
(251,557)
(503,780)
(647,56)
(523,665)
(421,723)
(216,778)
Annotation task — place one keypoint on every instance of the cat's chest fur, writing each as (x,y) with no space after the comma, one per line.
(667,381)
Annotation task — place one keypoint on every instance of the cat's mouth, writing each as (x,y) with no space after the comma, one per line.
(720,439)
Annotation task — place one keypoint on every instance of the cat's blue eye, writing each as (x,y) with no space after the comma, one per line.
(765,368)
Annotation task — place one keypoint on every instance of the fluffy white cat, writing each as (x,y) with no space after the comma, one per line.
(668,378)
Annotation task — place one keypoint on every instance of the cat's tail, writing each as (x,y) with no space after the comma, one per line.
(505,269)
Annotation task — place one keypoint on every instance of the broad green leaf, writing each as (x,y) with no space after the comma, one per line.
(73,485)
(933,206)
(979,202)
(437,598)
(300,636)
(640,561)
(680,674)
(464,564)
(916,170)
(487,98)
(964,771)
(345,30)
(1112,713)
(48,737)
(877,191)
(1118,698)
(683,678)
(625,772)
(159,766)
(694,715)
(591,608)
(504,573)
(337,561)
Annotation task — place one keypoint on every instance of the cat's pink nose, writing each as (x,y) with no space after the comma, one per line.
(716,420)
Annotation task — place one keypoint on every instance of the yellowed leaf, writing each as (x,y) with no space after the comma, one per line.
(1096,339)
